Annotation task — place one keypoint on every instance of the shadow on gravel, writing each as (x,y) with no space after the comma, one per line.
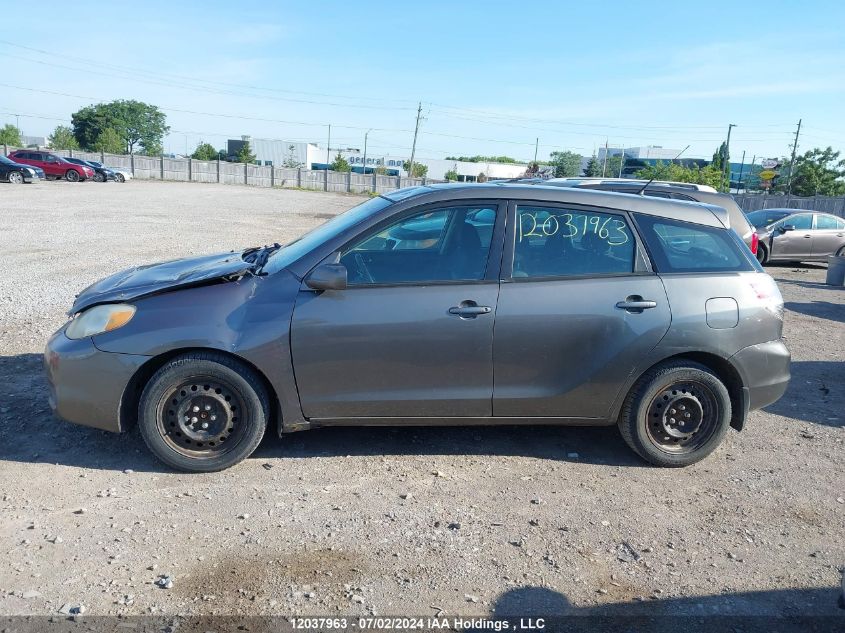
(818,609)
(816,393)
(29,432)
(819,309)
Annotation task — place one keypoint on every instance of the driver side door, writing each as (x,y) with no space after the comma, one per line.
(796,243)
(411,336)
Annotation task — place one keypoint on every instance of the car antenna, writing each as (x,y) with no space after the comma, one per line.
(645,186)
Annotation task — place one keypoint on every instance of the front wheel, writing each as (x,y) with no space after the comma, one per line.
(203,412)
(676,414)
(72,175)
(762,254)
(16,178)
(98,177)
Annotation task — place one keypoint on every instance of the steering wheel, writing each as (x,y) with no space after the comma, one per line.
(362,268)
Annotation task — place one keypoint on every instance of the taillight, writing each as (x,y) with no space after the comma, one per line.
(754,243)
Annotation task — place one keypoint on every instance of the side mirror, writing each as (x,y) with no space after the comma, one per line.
(327,277)
(787,227)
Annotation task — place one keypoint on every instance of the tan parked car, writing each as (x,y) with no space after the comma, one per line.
(797,235)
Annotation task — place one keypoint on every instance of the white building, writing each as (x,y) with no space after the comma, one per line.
(315,156)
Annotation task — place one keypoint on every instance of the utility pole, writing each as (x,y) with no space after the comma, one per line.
(414,145)
(726,168)
(741,167)
(621,161)
(536,147)
(792,163)
(750,170)
(329,147)
(365,150)
(604,166)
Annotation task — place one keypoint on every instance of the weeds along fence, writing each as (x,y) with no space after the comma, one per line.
(190,170)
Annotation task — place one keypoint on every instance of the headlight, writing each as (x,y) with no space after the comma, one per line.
(100,319)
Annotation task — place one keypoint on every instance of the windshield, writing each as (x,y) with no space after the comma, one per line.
(765,217)
(295,250)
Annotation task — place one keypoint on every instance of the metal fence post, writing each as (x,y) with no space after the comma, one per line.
(375,182)
(399,181)
(424,179)
(5,150)
(132,164)
(299,177)
(326,180)
(190,169)
(272,176)
(348,182)
(103,156)
(70,153)
(246,173)
(161,159)
(218,169)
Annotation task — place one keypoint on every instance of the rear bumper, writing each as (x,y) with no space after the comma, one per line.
(765,372)
(86,384)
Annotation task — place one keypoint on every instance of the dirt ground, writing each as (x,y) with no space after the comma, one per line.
(398,521)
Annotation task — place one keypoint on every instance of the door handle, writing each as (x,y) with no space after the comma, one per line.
(808,236)
(636,304)
(469,310)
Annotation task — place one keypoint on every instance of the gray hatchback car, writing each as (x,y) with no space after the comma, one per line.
(447,304)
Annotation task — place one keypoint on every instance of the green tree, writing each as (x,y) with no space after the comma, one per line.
(566,164)
(381,170)
(721,163)
(593,167)
(139,125)
(62,138)
(245,154)
(675,172)
(532,171)
(340,164)
(420,171)
(818,172)
(482,177)
(452,174)
(10,135)
(108,141)
(205,151)
(291,161)
(483,159)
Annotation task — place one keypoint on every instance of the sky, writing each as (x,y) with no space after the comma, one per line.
(492,77)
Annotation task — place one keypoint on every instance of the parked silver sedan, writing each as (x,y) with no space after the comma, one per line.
(797,235)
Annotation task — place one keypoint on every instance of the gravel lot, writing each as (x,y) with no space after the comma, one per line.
(470,521)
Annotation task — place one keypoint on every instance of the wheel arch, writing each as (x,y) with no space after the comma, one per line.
(724,370)
(131,397)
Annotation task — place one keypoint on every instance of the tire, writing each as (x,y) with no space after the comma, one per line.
(229,400)
(16,177)
(676,388)
(98,177)
(762,255)
(72,175)
(120,178)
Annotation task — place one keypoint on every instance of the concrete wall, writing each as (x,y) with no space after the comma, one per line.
(189,170)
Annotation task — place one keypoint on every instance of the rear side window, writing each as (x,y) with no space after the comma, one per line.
(683,247)
(558,242)
(829,222)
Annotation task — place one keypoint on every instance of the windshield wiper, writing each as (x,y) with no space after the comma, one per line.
(258,256)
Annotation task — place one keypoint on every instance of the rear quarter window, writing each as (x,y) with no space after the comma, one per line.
(684,247)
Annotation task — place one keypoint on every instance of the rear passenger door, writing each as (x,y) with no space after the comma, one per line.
(578,310)
(829,235)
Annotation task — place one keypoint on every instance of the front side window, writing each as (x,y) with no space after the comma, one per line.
(555,242)
(683,247)
(801,222)
(447,244)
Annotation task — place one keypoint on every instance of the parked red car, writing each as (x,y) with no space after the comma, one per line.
(54,166)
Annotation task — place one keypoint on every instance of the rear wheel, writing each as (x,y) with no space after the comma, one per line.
(120,178)
(762,254)
(676,414)
(15,177)
(203,412)
(72,175)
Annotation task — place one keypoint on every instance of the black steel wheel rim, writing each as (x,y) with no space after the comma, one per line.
(202,417)
(682,417)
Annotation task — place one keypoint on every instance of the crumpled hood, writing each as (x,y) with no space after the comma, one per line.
(154,278)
